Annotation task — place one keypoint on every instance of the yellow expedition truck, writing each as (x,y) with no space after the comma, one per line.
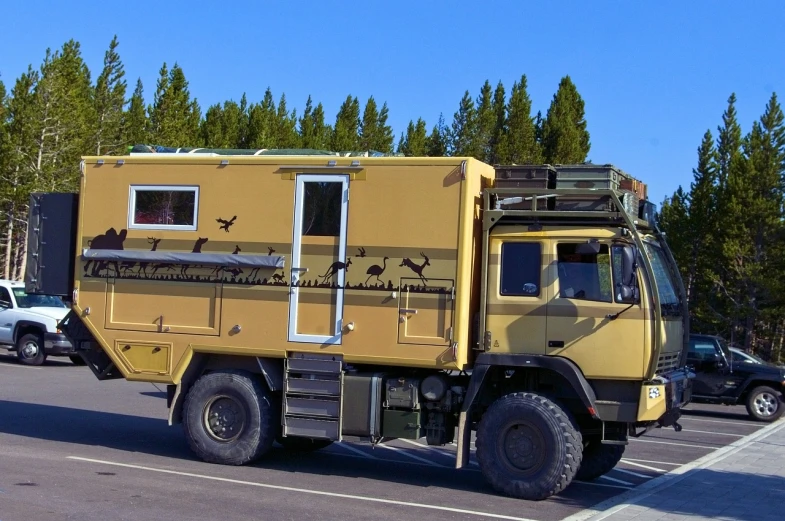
(307,298)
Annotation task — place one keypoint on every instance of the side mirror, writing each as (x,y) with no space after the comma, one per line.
(627,287)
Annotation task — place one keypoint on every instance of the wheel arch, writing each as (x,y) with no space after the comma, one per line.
(24,327)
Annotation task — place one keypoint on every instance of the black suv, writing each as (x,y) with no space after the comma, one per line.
(719,380)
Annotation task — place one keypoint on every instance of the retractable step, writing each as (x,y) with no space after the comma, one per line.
(313,385)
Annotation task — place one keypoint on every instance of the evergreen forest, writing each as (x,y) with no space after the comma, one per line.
(726,228)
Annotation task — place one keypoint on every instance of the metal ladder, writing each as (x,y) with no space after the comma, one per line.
(313,387)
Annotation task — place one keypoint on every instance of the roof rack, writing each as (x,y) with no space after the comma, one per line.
(140,149)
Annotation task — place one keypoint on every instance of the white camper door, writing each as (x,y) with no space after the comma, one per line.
(318,272)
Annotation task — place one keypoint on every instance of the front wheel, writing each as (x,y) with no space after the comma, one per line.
(228,418)
(528,447)
(764,404)
(30,349)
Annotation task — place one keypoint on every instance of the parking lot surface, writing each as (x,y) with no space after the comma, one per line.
(72,447)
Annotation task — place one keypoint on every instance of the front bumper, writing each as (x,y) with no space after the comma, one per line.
(57,344)
(678,393)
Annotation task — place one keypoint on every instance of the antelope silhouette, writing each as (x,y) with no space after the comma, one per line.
(417,268)
(334,268)
(376,270)
(225,224)
(143,265)
(270,251)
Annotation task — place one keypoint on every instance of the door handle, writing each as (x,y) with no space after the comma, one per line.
(555,343)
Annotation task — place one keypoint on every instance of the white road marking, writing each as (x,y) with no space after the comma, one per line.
(717,433)
(650,461)
(729,422)
(437,450)
(620,481)
(592,483)
(299,490)
(631,473)
(355,450)
(655,469)
(672,443)
(403,452)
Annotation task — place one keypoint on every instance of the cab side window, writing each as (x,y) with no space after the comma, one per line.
(701,351)
(5,298)
(521,268)
(584,276)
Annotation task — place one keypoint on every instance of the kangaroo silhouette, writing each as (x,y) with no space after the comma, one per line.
(225,224)
(417,268)
(376,270)
(334,268)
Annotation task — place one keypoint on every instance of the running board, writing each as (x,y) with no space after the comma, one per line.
(313,386)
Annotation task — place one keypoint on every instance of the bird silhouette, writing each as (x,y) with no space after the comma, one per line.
(376,270)
(225,224)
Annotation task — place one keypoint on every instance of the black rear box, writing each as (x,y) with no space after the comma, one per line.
(51,244)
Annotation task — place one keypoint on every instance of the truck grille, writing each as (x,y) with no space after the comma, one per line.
(668,362)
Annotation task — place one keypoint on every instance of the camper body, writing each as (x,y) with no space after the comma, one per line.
(310,299)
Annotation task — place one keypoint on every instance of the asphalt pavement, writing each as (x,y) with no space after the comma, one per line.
(72,447)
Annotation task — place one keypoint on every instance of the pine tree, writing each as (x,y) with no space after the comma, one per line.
(384,133)
(673,214)
(174,116)
(437,143)
(565,138)
(222,126)
(286,126)
(415,142)
(486,121)
(135,123)
(498,143)
(345,136)
(262,122)
(108,102)
(520,139)
(463,136)
(314,133)
(369,127)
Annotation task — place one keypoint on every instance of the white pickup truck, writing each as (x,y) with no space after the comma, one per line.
(28,325)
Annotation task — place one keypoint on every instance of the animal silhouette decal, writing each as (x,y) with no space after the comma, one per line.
(417,268)
(334,268)
(225,225)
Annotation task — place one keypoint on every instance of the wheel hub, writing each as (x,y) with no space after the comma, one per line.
(766,404)
(224,418)
(524,448)
(30,350)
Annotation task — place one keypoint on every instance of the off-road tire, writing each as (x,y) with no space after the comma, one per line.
(296,444)
(598,459)
(39,357)
(764,393)
(250,411)
(77,360)
(548,435)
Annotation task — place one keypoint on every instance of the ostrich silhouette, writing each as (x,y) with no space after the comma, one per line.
(376,270)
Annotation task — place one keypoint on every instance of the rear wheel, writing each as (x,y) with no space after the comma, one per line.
(30,349)
(764,404)
(228,418)
(599,459)
(528,447)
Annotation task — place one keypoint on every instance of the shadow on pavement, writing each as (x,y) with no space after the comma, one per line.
(155,437)
(710,493)
(728,412)
(51,361)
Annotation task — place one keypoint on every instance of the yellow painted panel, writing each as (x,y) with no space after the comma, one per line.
(651,405)
(181,307)
(425,318)
(145,357)
(316,311)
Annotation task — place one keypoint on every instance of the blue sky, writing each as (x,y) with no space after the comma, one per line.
(654,75)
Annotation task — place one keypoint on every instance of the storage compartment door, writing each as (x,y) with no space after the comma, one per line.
(426,311)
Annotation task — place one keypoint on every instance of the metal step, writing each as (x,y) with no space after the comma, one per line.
(313,385)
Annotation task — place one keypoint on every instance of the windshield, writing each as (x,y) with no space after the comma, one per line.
(23,300)
(669,300)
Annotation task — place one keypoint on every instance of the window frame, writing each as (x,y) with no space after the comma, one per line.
(520,293)
(11,299)
(133,189)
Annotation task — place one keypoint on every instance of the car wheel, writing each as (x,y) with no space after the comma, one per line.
(228,418)
(528,447)
(30,349)
(764,404)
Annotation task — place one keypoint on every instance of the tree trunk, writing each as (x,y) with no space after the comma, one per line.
(20,251)
(9,235)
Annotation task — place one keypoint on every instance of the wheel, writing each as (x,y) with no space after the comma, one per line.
(598,459)
(30,349)
(76,359)
(764,404)
(228,418)
(294,443)
(528,447)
